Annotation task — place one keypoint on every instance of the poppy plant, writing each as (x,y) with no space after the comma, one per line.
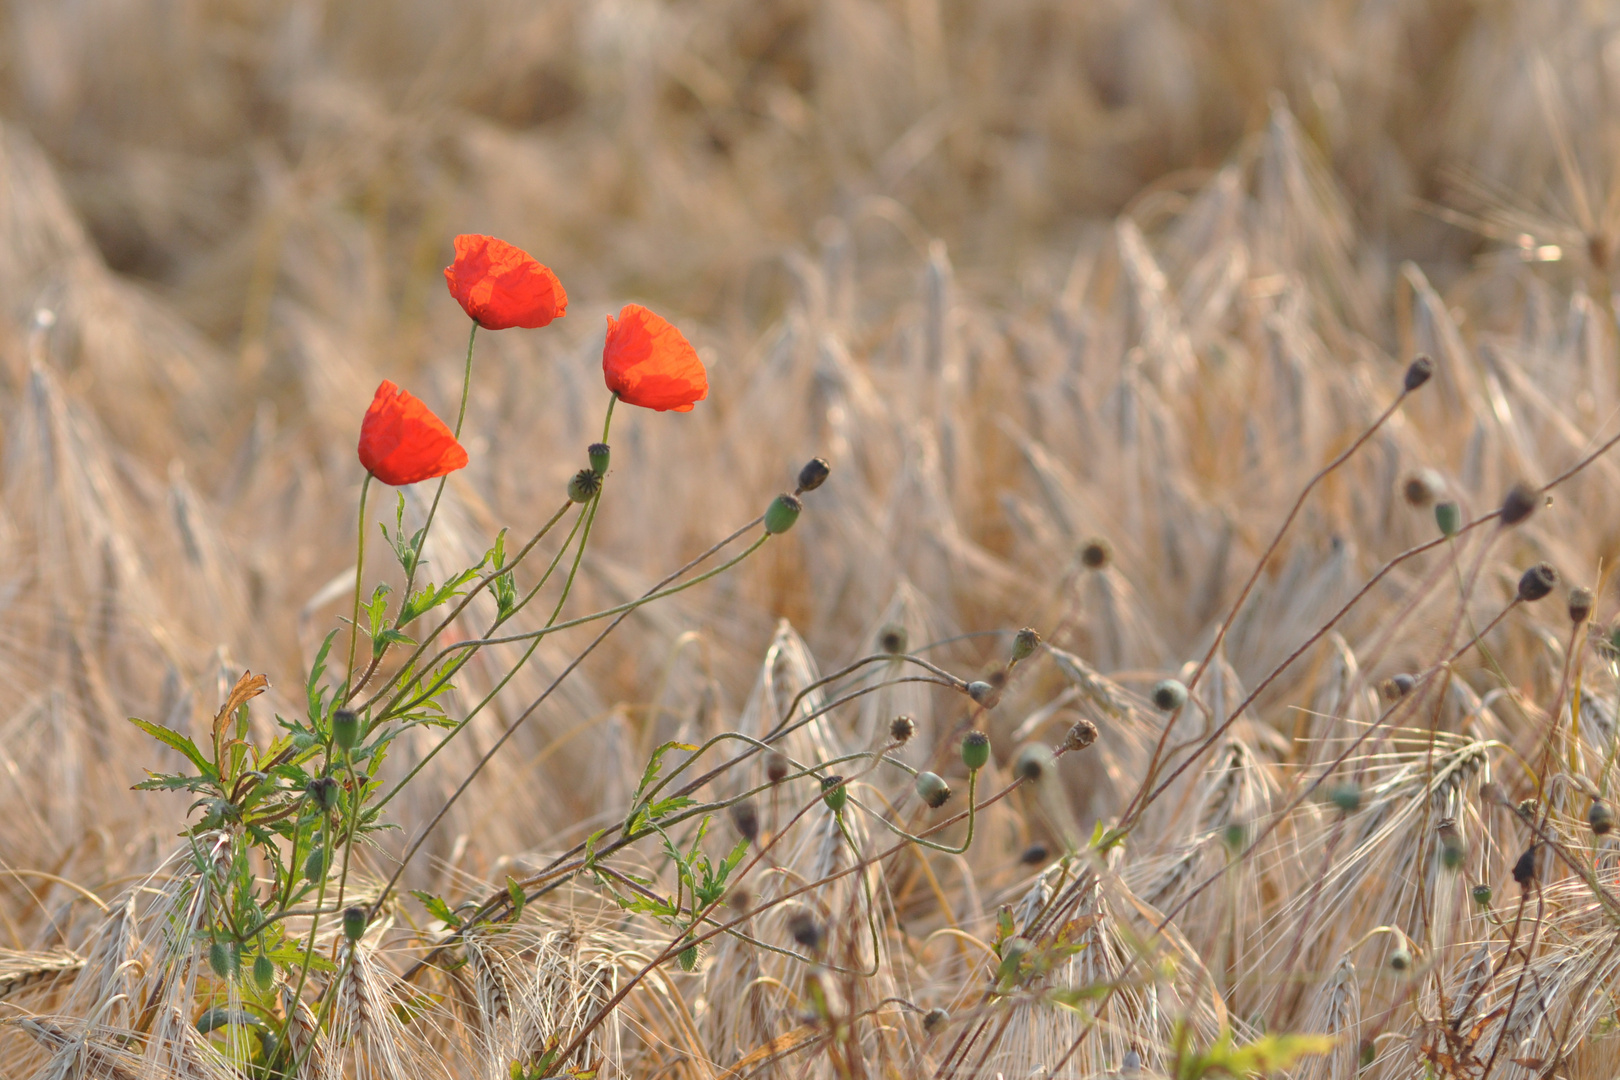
(500,286)
(402,442)
(647,362)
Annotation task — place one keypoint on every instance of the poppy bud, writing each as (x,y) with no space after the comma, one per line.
(776,767)
(264,972)
(805,930)
(584,485)
(345,729)
(892,639)
(219,958)
(1418,372)
(1537,582)
(782,513)
(1025,644)
(1518,504)
(935,1019)
(315,865)
(1400,959)
(933,790)
(688,958)
(1448,516)
(813,475)
(1580,604)
(1034,763)
(1347,797)
(745,817)
(324,792)
(354,923)
(1169,695)
(1034,855)
(1422,488)
(1482,895)
(1080,736)
(901,729)
(1096,553)
(1524,870)
(975,750)
(983,693)
(834,793)
(600,454)
(1601,818)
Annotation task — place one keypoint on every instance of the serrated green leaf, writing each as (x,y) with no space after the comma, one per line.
(438,908)
(173,739)
(516,895)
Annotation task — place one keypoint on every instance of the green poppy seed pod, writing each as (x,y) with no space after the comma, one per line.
(1400,959)
(1235,836)
(1418,372)
(323,792)
(1600,818)
(782,513)
(1034,763)
(901,729)
(1367,1053)
(1096,553)
(776,766)
(219,958)
(813,475)
(315,865)
(1025,644)
(1169,695)
(1524,870)
(345,729)
(600,454)
(584,485)
(1518,504)
(354,923)
(1347,797)
(1482,895)
(1081,735)
(264,972)
(1580,604)
(1448,516)
(975,750)
(893,639)
(745,816)
(688,958)
(934,1020)
(1537,582)
(933,790)
(1453,850)
(834,793)
(983,693)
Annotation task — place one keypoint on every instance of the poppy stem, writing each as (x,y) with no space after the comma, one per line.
(466,379)
(359,570)
(608,423)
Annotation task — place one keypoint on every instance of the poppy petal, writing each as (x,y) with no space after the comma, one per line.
(403,442)
(647,362)
(501,286)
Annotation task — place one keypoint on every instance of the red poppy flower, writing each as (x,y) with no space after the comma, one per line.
(647,362)
(401,441)
(499,285)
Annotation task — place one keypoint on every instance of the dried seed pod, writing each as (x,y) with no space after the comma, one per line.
(892,639)
(584,485)
(933,790)
(983,693)
(934,1020)
(776,766)
(782,513)
(901,729)
(745,818)
(1423,487)
(1600,818)
(1518,504)
(1169,695)
(1025,642)
(1034,855)
(975,750)
(1418,372)
(1080,736)
(834,793)
(1400,959)
(1537,582)
(600,455)
(813,475)
(1448,516)
(354,923)
(1580,604)
(740,899)
(1524,870)
(1397,686)
(1096,553)
(1035,763)
(323,792)
(806,930)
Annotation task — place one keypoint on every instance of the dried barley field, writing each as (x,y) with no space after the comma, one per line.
(1200,660)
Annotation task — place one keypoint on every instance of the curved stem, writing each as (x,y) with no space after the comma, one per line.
(359,571)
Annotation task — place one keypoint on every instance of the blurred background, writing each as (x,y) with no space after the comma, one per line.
(1027,272)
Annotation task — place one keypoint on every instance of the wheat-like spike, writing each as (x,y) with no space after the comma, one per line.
(20,970)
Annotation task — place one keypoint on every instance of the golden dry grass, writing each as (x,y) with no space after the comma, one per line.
(1027,272)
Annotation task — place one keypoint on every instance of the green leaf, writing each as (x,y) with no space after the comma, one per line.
(385,638)
(173,739)
(515,893)
(438,909)
(1266,1055)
